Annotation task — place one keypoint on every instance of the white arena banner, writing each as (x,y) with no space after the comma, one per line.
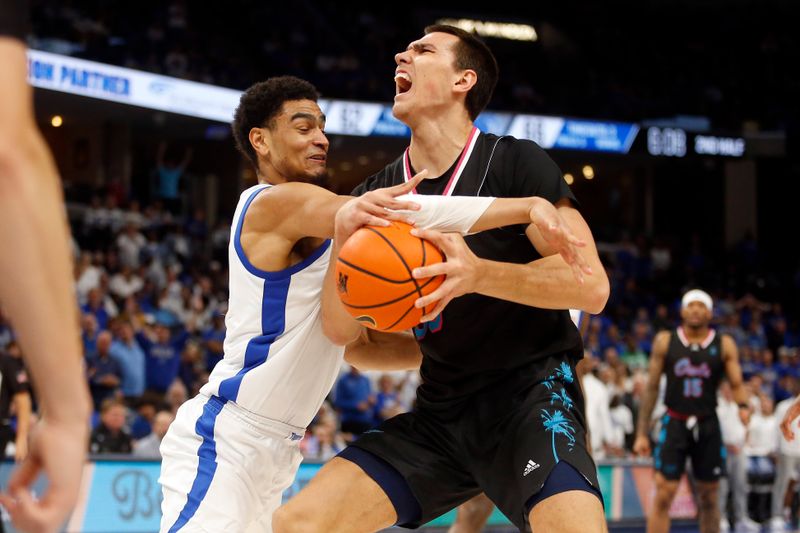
(117,84)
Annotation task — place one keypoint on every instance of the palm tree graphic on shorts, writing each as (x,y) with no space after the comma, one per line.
(563,373)
(557,424)
(562,397)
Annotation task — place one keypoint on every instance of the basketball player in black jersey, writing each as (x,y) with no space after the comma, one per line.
(499,409)
(36,290)
(694,358)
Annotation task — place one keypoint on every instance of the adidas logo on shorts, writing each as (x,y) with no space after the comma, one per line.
(530,467)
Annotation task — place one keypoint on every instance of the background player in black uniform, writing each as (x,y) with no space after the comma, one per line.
(499,409)
(36,290)
(694,358)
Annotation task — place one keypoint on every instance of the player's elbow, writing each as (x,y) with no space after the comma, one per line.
(12,162)
(18,155)
(597,294)
(338,333)
(289,519)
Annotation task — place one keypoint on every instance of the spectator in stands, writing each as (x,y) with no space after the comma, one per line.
(131,358)
(95,305)
(110,436)
(598,416)
(96,232)
(104,371)
(760,448)
(162,355)
(768,371)
(130,245)
(148,447)
(141,421)
(213,340)
(87,276)
(125,283)
(661,320)
(355,402)
(387,402)
(197,228)
(622,428)
(633,353)
(787,468)
(192,370)
(176,395)
(89,332)
(170,169)
(6,333)
(324,443)
(734,480)
(15,399)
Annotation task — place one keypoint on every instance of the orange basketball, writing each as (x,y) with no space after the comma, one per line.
(374,280)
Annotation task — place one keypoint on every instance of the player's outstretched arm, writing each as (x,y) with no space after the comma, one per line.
(548,283)
(473,214)
(641,445)
(377,350)
(36,288)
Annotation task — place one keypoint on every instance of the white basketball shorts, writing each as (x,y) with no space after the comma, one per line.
(224,469)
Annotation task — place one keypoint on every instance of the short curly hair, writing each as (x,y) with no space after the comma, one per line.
(259,105)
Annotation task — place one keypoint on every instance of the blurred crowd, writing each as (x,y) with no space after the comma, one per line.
(704,69)
(152,288)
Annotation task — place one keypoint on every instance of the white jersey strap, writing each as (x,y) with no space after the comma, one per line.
(456,175)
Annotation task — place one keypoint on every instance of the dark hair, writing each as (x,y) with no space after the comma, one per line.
(259,105)
(472,53)
(108,403)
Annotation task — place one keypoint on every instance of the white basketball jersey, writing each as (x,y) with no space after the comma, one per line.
(277,364)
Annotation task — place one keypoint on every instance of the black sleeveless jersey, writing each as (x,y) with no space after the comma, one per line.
(479,341)
(693,373)
(13,18)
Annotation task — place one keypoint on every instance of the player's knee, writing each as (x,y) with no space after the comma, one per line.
(663,499)
(291,519)
(708,496)
(472,516)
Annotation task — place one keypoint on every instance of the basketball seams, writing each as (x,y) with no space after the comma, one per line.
(390,302)
(399,255)
(374,275)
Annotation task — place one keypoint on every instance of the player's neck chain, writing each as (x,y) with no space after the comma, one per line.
(457,171)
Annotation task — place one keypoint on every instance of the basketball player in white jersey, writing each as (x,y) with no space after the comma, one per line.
(232,450)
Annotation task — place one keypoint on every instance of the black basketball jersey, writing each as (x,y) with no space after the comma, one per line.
(479,341)
(693,373)
(13,18)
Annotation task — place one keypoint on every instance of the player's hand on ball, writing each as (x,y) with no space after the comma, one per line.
(555,230)
(462,269)
(376,208)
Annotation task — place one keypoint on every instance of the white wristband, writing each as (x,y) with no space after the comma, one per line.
(446,213)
